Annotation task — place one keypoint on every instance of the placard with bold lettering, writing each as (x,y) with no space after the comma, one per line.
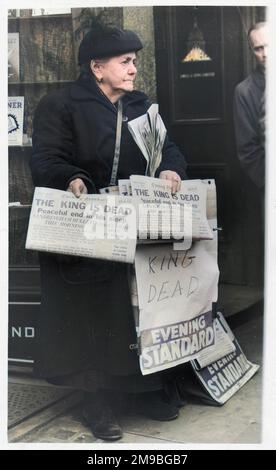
(15,119)
(225,376)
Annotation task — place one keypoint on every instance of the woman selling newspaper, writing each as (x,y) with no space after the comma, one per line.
(82,143)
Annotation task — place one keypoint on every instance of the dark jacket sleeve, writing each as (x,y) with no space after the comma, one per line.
(53,158)
(172,159)
(250,145)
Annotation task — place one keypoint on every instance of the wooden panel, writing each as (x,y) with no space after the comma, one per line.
(18,225)
(20,180)
(24,284)
(46,48)
(196,65)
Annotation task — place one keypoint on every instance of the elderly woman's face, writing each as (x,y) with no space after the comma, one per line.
(117,75)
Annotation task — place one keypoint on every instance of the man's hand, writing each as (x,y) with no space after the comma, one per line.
(77,187)
(174,179)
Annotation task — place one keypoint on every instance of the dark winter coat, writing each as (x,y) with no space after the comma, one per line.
(248,120)
(86,316)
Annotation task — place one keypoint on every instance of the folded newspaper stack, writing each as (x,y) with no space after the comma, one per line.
(149,133)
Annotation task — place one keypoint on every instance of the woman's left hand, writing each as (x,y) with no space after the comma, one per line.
(174,179)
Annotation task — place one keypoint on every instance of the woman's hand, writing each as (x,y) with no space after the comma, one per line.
(174,179)
(77,187)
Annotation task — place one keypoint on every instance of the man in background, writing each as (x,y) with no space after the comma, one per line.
(249,110)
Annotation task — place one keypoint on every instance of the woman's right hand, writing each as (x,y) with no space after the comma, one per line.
(77,187)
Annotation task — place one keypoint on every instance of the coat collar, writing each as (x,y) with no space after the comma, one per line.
(86,89)
(258,76)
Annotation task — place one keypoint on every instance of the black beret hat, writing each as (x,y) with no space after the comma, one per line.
(107,42)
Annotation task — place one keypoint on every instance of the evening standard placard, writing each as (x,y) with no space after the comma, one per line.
(223,345)
(170,216)
(225,376)
(94,226)
(176,290)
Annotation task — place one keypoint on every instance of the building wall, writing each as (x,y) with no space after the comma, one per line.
(140,20)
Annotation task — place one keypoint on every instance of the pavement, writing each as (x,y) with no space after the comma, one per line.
(40,413)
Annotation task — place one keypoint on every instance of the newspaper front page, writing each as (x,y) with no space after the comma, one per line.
(163,215)
(95,226)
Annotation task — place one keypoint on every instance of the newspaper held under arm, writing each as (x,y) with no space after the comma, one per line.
(149,133)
